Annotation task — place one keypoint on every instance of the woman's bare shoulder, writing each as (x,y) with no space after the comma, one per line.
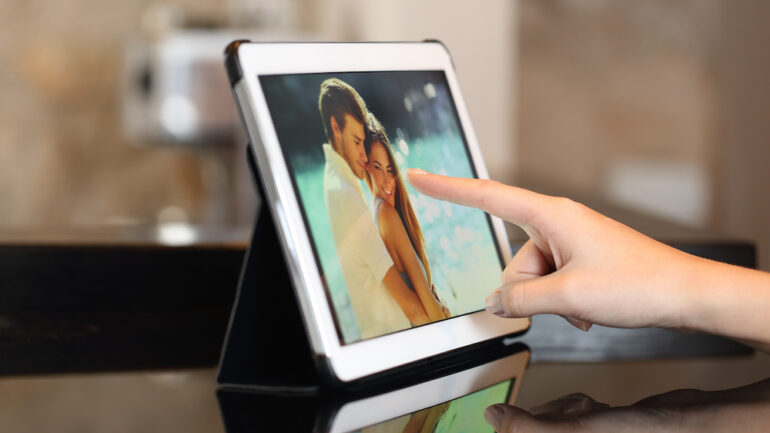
(387,211)
(388,217)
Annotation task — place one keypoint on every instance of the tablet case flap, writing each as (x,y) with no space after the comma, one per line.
(266,346)
(249,412)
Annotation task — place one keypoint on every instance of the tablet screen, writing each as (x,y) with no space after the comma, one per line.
(390,257)
(464,414)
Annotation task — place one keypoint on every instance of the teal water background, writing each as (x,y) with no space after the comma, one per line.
(464,262)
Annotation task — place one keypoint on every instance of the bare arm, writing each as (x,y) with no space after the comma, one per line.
(397,241)
(591,269)
(406,299)
(733,302)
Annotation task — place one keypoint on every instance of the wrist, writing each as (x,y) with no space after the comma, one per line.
(700,295)
(730,301)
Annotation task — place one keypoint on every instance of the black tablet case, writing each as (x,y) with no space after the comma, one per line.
(266,346)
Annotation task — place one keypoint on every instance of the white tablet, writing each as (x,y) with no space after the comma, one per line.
(384,276)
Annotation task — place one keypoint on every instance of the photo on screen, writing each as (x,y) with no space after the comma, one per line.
(390,257)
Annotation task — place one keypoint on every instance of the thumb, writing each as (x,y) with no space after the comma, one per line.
(526,297)
(510,419)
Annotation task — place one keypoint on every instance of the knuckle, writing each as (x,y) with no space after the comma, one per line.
(565,204)
(516,300)
(570,208)
(510,273)
(506,275)
(488,183)
(486,186)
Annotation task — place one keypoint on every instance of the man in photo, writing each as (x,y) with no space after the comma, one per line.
(381,300)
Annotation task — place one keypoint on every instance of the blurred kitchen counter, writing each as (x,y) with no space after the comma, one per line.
(116,299)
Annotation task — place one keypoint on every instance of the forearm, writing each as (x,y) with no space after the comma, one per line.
(412,307)
(408,301)
(733,302)
(433,309)
(419,281)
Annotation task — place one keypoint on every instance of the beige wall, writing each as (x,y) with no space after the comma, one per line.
(65,162)
(618,101)
(63,158)
(656,106)
(744,136)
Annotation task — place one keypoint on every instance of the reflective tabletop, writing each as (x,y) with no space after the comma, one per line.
(703,394)
(82,350)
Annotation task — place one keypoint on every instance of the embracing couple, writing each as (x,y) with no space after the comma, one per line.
(381,251)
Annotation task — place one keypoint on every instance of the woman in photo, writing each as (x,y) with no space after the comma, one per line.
(396,219)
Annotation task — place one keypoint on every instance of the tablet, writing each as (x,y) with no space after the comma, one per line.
(383,275)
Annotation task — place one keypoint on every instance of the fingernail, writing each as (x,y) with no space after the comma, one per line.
(493,415)
(579,324)
(416,171)
(493,304)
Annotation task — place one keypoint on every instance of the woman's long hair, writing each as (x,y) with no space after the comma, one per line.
(374,133)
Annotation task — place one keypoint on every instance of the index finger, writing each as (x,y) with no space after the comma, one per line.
(510,203)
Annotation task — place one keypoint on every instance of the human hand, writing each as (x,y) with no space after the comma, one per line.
(577,262)
(744,409)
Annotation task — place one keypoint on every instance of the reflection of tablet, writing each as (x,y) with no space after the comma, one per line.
(385,276)
(454,403)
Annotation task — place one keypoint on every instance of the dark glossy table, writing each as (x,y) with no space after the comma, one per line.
(185,400)
(86,301)
(105,336)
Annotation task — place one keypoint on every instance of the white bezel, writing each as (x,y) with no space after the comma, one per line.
(355,360)
(374,410)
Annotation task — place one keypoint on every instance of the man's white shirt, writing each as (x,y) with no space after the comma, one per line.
(363,257)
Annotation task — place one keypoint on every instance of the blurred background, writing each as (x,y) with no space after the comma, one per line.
(117,116)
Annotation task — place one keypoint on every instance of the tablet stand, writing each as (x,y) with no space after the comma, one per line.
(266,347)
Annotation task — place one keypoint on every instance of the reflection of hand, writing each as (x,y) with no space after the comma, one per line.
(744,409)
(591,269)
